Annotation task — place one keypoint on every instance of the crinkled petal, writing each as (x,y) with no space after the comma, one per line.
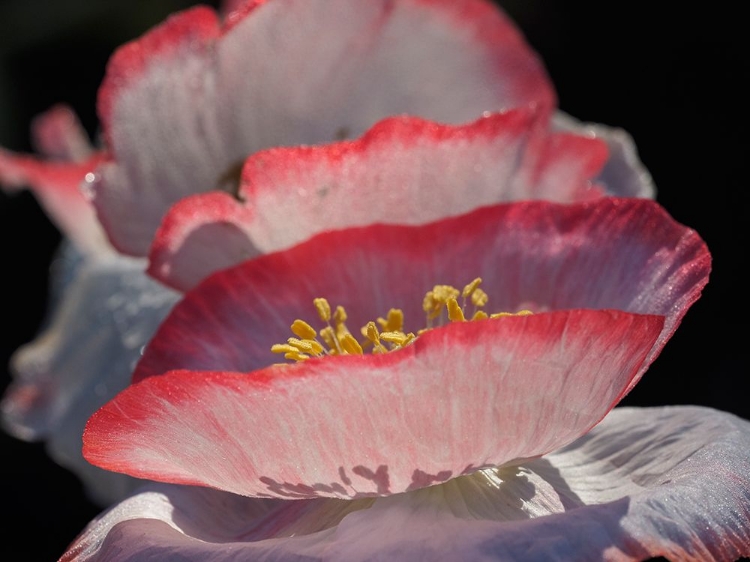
(625,254)
(105,315)
(624,174)
(183,106)
(670,482)
(462,397)
(433,171)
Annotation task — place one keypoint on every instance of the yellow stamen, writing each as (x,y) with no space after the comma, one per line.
(398,339)
(340,341)
(435,300)
(394,322)
(479,315)
(455,314)
(329,337)
(503,314)
(350,345)
(299,344)
(306,346)
(303,330)
(323,308)
(471,287)
(283,348)
(339,317)
(374,337)
(479,298)
(296,356)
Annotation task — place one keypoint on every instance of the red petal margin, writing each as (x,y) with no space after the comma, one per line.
(610,253)
(181,32)
(57,186)
(463,397)
(191,99)
(57,133)
(56,181)
(402,171)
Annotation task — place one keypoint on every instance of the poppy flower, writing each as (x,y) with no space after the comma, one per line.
(468,439)
(183,106)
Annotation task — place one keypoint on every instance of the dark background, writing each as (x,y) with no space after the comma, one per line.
(674,80)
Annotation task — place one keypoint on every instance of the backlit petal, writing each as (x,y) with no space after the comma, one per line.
(433,171)
(667,482)
(461,397)
(57,186)
(624,174)
(105,314)
(625,254)
(183,106)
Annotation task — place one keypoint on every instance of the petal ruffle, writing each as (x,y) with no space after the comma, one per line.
(183,106)
(463,397)
(624,174)
(105,315)
(625,254)
(667,482)
(433,171)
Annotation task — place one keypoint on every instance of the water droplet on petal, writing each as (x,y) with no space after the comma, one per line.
(87,186)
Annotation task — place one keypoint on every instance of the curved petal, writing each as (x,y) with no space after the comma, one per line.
(667,482)
(105,315)
(229,6)
(624,174)
(466,396)
(265,79)
(56,182)
(58,133)
(625,254)
(57,186)
(433,171)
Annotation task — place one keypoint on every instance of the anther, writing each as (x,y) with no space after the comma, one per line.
(455,314)
(350,345)
(323,308)
(374,337)
(303,330)
(471,287)
(479,298)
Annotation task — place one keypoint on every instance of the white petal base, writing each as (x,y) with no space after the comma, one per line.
(671,482)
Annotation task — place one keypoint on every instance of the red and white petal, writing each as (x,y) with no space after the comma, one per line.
(625,254)
(672,482)
(58,133)
(183,106)
(667,482)
(624,174)
(85,356)
(403,171)
(57,186)
(229,6)
(462,397)
(204,233)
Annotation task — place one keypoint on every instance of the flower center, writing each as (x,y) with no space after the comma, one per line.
(336,339)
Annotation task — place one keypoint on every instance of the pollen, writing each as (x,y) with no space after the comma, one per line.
(384,334)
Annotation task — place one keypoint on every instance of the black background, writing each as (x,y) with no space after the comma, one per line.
(673,79)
